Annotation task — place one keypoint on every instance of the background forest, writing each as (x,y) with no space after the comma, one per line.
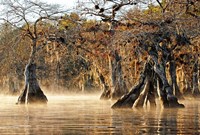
(110,52)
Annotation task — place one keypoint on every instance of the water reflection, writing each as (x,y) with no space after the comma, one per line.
(167,122)
(88,115)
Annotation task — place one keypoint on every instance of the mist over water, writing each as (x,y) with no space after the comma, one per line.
(86,114)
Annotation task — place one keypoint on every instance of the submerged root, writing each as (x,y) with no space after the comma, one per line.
(173,102)
(145,90)
(30,98)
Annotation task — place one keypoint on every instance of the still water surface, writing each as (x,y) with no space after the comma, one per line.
(88,115)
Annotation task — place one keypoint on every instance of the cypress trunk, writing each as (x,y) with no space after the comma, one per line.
(106,89)
(128,100)
(145,89)
(195,89)
(174,85)
(169,100)
(32,92)
(118,86)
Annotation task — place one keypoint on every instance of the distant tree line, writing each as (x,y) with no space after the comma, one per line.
(109,53)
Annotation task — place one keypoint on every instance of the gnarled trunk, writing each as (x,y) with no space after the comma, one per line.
(169,100)
(144,89)
(129,99)
(195,89)
(118,86)
(32,92)
(143,95)
(151,94)
(106,89)
(173,76)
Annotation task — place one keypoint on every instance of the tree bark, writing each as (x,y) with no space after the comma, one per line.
(118,86)
(106,89)
(165,91)
(143,95)
(151,94)
(169,100)
(173,76)
(32,92)
(129,99)
(195,89)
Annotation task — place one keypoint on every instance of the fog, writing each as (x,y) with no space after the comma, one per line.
(86,114)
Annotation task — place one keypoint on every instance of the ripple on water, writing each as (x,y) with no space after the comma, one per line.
(88,115)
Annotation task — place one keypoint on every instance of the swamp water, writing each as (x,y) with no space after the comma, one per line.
(76,115)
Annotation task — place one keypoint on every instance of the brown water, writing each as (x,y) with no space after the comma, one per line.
(88,115)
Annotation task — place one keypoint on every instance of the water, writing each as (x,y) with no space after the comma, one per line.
(88,115)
